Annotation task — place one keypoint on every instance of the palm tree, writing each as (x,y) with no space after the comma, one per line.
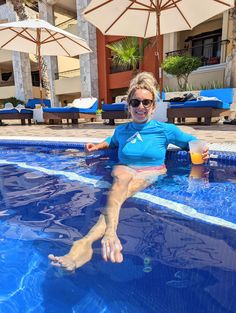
(127,53)
(19,7)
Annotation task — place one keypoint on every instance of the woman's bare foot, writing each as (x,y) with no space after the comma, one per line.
(80,253)
(111,247)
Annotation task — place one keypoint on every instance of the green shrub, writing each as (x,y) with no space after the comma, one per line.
(99,111)
(13,100)
(181,66)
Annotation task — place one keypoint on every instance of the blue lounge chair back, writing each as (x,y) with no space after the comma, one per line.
(91,110)
(32,102)
(120,106)
(224,94)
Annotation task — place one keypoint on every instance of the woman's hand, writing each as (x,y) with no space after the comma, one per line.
(205,154)
(111,247)
(89,147)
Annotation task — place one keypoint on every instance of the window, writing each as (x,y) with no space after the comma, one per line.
(207,46)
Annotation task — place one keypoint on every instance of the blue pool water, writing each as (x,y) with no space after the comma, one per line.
(179,236)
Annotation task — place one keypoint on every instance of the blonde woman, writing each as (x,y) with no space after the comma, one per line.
(142,146)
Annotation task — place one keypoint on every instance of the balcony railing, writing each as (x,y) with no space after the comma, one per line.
(212,53)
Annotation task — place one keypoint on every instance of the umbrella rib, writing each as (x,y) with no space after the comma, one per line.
(224,3)
(63,36)
(18,34)
(169,4)
(145,7)
(98,6)
(146,27)
(114,22)
(181,13)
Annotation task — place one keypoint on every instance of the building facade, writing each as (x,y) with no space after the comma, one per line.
(94,74)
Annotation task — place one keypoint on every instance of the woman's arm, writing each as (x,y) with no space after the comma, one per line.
(89,147)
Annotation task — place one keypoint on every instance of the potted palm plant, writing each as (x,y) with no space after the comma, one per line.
(127,53)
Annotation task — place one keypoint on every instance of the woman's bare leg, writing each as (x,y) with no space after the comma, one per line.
(81,251)
(125,185)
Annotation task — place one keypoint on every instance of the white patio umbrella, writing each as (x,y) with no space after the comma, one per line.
(149,18)
(40,38)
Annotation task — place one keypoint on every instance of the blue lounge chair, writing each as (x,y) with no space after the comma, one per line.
(17,113)
(203,108)
(115,111)
(72,112)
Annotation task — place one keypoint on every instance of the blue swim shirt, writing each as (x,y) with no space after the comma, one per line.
(146,144)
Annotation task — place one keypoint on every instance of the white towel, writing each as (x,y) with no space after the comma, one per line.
(202,98)
(83,103)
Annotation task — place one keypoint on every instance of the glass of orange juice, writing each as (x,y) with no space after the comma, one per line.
(196,148)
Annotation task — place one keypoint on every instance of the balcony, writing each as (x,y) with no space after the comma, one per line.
(211,53)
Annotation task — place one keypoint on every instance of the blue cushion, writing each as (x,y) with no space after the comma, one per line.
(61,110)
(122,106)
(15,111)
(200,104)
(223,94)
(92,110)
(31,103)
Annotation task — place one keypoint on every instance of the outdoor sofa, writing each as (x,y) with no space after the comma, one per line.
(203,109)
(80,108)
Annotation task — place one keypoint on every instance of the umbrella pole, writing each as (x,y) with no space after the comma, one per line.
(159,50)
(39,67)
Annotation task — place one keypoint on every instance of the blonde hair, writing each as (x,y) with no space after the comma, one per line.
(143,80)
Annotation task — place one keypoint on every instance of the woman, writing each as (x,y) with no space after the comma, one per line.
(142,146)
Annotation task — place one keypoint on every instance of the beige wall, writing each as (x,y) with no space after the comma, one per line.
(67,85)
(68,64)
(7,92)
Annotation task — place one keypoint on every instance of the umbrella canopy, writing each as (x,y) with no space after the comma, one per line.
(41,38)
(148,18)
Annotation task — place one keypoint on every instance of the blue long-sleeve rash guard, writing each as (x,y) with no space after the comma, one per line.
(146,144)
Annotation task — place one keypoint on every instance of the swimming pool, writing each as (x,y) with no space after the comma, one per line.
(178,235)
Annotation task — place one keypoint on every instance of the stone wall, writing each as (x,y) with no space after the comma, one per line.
(88,61)
(20,61)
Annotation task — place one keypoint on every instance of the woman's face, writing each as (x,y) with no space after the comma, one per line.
(141,111)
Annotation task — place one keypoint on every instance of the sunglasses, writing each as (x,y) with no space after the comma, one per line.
(136,102)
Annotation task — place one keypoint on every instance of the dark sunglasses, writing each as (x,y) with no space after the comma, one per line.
(136,102)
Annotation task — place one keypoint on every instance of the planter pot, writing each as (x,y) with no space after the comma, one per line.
(99,118)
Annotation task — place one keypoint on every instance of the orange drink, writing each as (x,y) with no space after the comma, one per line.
(196,158)
(196,148)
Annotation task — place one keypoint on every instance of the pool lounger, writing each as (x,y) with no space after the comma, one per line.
(73,113)
(205,109)
(14,114)
(115,111)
